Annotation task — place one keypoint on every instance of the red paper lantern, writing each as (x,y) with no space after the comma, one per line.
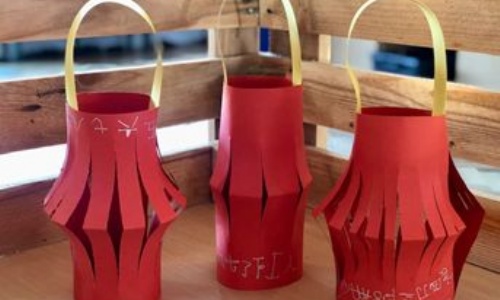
(401,220)
(261,179)
(113,199)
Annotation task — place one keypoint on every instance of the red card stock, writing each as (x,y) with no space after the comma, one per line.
(401,220)
(260,183)
(113,199)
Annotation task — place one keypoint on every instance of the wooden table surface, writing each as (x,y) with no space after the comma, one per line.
(188,268)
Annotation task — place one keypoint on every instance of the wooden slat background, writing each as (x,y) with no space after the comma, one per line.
(280,44)
(468,25)
(473,114)
(233,42)
(32,112)
(24,224)
(23,20)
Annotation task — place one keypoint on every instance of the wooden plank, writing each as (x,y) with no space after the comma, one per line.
(473,114)
(24,225)
(32,112)
(326,169)
(486,251)
(325,48)
(188,268)
(234,42)
(315,48)
(191,171)
(324,56)
(468,25)
(50,19)
(280,44)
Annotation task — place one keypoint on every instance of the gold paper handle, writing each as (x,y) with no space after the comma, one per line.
(69,66)
(440,64)
(293,30)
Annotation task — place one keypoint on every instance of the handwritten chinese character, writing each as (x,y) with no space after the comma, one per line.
(128,129)
(99,126)
(405,296)
(446,276)
(360,293)
(260,265)
(422,292)
(246,265)
(436,285)
(273,275)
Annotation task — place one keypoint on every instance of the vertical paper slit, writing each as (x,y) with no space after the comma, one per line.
(175,205)
(147,206)
(226,194)
(264,197)
(115,227)
(75,224)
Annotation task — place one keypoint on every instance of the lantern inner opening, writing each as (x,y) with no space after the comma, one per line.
(259,82)
(113,103)
(396,112)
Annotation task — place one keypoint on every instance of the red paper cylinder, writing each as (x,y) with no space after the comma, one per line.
(260,183)
(397,215)
(113,199)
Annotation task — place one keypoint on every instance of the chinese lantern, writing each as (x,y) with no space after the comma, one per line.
(401,220)
(113,199)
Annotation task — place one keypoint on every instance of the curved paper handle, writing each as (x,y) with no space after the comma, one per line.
(440,64)
(69,66)
(293,33)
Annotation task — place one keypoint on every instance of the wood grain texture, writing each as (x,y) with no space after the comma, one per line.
(280,44)
(473,114)
(24,225)
(32,112)
(326,169)
(468,25)
(233,42)
(188,268)
(51,19)
(486,251)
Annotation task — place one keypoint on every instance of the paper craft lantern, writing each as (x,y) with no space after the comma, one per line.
(401,220)
(113,199)
(261,178)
